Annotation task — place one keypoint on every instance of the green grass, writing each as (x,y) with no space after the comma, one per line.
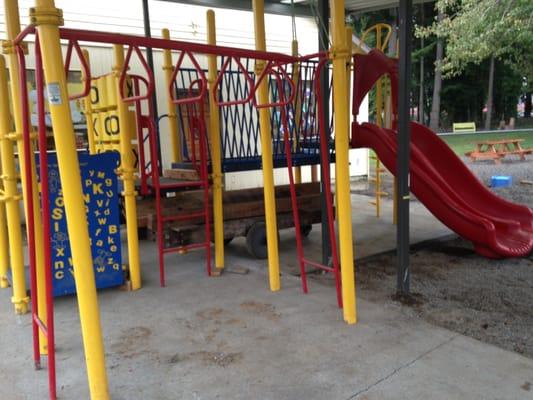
(460,144)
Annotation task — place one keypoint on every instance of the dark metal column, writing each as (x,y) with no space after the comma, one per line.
(323,40)
(404,137)
(150,60)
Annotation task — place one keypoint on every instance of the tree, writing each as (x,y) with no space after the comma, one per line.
(437,85)
(477,30)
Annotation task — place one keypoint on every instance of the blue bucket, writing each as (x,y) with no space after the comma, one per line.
(501,181)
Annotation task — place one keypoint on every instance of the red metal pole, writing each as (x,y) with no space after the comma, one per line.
(45,207)
(28,154)
(294,200)
(324,152)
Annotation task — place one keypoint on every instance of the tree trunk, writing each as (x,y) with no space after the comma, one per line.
(437,85)
(421,89)
(488,116)
(527,105)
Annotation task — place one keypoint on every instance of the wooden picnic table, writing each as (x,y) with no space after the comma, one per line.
(497,149)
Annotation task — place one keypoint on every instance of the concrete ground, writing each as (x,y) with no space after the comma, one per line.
(231,338)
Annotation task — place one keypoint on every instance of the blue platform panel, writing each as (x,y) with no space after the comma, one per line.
(100,188)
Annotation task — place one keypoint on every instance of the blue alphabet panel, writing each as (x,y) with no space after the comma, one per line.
(100,188)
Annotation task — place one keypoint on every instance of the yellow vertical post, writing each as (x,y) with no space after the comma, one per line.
(4,240)
(4,245)
(13,29)
(88,108)
(175,138)
(47,19)
(266,151)
(127,173)
(11,197)
(342,179)
(379,122)
(297,108)
(214,138)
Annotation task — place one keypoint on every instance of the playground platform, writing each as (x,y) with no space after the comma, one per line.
(231,338)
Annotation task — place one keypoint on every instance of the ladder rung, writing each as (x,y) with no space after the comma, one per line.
(170,218)
(178,185)
(185,228)
(382,193)
(186,247)
(318,265)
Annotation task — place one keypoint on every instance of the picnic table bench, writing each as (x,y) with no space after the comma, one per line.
(497,149)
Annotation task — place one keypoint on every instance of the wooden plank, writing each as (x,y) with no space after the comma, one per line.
(181,174)
(238,204)
(502,141)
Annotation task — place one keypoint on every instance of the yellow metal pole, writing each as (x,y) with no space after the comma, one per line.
(297,108)
(4,247)
(4,238)
(339,55)
(175,139)
(11,197)
(47,19)
(379,122)
(214,138)
(88,109)
(13,29)
(266,151)
(127,173)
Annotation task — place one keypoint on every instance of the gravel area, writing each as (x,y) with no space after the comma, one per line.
(452,286)
(519,170)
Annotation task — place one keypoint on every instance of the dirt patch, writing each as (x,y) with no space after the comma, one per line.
(490,300)
(453,287)
(207,358)
(211,313)
(264,309)
(132,342)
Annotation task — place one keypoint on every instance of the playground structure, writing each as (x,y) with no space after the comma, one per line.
(287,137)
(496,227)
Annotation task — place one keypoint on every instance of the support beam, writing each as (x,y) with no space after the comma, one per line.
(404,137)
(271,7)
(323,40)
(266,151)
(127,170)
(47,19)
(150,60)
(339,54)
(216,152)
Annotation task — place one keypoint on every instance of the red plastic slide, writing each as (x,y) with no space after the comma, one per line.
(446,186)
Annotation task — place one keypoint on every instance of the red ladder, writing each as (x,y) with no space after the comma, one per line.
(280,75)
(161,187)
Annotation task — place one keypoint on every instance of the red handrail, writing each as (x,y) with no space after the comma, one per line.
(149,80)
(220,76)
(84,66)
(269,69)
(203,87)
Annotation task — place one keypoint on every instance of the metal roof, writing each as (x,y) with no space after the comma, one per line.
(271,6)
(369,5)
(301,8)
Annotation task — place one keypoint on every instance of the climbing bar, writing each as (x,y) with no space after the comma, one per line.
(202,79)
(149,81)
(86,71)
